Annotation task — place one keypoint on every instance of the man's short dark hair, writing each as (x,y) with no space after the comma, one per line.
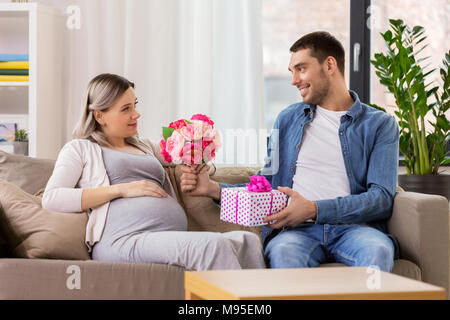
(322,45)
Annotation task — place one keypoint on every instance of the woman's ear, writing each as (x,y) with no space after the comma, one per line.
(98,115)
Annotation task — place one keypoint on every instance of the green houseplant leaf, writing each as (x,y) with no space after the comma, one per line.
(21,135)
(399,70)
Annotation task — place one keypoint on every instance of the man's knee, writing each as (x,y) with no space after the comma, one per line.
(282,253)
(380,255)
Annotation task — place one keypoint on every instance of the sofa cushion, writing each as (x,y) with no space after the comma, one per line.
(33,232)
(30,174)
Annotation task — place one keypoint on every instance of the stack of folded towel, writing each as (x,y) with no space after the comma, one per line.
(14,67)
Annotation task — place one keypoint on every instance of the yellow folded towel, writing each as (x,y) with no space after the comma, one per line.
(14,65)
(14,78)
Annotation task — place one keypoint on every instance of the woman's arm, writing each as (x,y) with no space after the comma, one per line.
(91,198)
(61,195)
(97,196)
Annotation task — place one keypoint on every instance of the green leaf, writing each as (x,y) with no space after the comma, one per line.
(167,132)
(443,122)
(417,29)
(387,36)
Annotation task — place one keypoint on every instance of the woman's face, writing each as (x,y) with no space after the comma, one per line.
(120,119)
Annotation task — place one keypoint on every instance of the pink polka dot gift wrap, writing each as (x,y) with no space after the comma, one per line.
(249,208)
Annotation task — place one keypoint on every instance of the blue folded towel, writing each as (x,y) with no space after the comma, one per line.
(13,57)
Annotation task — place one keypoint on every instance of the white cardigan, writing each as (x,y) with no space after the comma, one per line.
(80,166)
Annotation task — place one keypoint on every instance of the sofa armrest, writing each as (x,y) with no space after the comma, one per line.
(420,222)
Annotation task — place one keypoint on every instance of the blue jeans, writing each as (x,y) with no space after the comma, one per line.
(309,245)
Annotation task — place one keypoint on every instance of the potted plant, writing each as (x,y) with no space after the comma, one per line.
(21,142)
(401,72)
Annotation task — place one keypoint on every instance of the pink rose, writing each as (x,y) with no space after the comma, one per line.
(203,118)
(209,150)
(164,153)
(192,154)
(176,159)
(174,144)
(208,132)
(192,132)
(177,124)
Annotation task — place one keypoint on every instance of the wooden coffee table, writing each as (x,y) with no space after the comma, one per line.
(311,283)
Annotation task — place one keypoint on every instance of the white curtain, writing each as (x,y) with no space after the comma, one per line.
(185,57)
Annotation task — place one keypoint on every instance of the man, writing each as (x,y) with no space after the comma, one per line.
(338,163)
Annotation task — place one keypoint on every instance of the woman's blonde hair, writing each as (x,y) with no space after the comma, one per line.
(101,93)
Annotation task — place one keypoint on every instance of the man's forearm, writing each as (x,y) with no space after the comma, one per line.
(365,207)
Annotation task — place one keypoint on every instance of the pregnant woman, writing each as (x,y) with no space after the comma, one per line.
(119,179)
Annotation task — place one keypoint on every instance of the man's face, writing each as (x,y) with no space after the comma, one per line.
(309,76)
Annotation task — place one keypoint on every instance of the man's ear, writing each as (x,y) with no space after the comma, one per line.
(331,65)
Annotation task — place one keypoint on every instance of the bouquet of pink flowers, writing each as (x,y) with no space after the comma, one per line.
(190,142)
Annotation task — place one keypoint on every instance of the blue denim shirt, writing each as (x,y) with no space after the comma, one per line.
(369,141)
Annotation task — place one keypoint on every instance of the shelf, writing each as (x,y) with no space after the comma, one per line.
(14,83)
(17,6)
(34,29)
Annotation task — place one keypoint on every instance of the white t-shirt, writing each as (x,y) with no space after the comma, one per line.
(321,172)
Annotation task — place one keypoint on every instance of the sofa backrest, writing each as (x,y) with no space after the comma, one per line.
(30,174)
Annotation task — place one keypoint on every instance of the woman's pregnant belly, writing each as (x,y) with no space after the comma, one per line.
(132,215)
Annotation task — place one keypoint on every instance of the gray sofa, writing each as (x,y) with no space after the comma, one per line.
(419,221)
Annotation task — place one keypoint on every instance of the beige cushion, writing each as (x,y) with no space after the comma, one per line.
(234,175)
(30,174)
(32,232)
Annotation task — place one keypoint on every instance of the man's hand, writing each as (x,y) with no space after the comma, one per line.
(298,210)
(195,182)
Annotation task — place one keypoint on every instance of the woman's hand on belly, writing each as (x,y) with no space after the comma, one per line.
(141,188)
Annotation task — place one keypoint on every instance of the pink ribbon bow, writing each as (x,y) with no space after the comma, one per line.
(259,184)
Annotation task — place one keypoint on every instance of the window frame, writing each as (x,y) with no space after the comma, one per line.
(360,80)
(359,67)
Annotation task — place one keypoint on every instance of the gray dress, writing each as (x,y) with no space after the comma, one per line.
(154,230)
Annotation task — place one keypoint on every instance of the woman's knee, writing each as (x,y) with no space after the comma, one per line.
(218,243)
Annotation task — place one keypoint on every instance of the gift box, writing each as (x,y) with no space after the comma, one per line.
(249,208)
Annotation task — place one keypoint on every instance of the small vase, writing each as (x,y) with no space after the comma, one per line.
(20,148)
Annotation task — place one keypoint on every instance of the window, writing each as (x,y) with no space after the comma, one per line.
(284,22)
(434,16)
